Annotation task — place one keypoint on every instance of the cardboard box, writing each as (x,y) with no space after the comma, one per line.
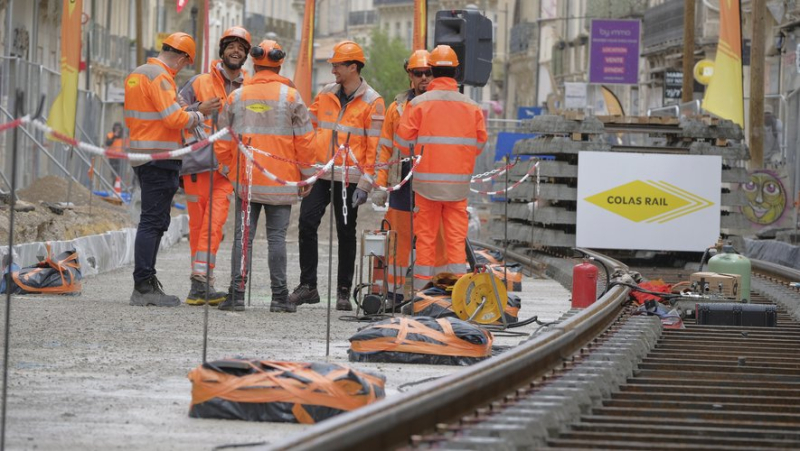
(711,283)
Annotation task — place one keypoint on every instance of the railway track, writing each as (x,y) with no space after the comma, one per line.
(603,378)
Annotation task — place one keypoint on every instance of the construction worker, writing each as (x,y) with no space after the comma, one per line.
(449,149)
(156,120)
(114,143)
(271,116)
(212,89)
(348,109)
(398,214)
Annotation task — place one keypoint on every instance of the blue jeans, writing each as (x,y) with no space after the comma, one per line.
(159,186)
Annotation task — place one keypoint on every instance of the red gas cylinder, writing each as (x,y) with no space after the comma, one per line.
(584,284)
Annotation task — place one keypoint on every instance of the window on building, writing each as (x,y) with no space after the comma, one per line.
(409,34)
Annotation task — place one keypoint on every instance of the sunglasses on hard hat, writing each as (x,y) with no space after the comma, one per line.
(420,73)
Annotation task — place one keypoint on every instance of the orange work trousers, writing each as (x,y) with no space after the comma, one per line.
(430,218)
(200,207)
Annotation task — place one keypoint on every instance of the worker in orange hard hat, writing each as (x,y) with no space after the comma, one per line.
(398,214)
(272,117)
(210,91)
(347,109)
(156,121)
(441,181)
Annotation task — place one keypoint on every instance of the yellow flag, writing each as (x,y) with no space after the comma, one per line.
(724,96)
(64,109)
(420,24)
(302,74)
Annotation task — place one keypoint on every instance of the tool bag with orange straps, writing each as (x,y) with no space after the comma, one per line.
(510,273)
(442,341)
(286,392)
(53,275)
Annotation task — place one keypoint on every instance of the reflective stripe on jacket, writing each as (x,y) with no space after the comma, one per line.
(447,127)
(271,116)
(390,176)
(152,113)
(362,117)
(200,88)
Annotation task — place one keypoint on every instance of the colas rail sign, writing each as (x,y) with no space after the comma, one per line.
(648,202)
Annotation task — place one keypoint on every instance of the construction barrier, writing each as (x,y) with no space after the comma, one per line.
(286,392)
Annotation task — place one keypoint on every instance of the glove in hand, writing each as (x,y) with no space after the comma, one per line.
(359,197)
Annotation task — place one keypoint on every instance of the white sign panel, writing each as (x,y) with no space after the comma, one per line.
(648,201)
(575,96)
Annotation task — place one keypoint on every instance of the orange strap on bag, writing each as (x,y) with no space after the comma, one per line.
(304,386)
(451,344)
(69,284)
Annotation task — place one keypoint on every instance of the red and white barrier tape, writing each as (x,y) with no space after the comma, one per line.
(166,155)
(502,191)
(418,159)
(246,151)
(14,124)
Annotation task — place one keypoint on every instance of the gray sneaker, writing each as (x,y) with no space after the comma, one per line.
(150,292)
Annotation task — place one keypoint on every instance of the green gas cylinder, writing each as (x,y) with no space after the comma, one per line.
(729,262)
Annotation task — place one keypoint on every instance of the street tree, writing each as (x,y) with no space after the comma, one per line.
(384,70)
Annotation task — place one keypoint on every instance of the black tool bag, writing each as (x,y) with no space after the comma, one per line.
(53,275)
(735,314)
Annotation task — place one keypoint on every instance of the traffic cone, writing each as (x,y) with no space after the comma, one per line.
(118,187)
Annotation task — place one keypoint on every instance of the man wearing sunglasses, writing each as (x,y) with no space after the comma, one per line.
(441,181)
(399,213)
(348,111)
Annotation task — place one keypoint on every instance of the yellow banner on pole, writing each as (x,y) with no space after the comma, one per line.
(64,109)
(420,24)
(725,96)
(305,61)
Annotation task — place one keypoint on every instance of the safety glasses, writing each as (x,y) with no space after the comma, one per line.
(420,73)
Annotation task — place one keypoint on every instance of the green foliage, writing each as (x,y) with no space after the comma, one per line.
(384,68)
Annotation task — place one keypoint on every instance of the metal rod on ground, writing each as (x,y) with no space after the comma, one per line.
(413,244)
(9,262)
(251,230)
(331,212)
(208,249)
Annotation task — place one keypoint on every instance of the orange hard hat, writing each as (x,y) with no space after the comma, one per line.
(419,59)
(347,51)
(268,53)
(235,33)
(443,56)
(181,42)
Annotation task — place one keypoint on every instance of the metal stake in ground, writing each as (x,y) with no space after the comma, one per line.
(18,104)
(413,246)
(208,252)
(331,212)
(69,172)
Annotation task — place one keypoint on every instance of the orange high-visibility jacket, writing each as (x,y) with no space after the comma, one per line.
(271,117)
(391,175)
(200,88)
(447,127)
(152,113)
(362,117)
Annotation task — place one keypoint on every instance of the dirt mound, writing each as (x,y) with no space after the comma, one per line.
(42,224)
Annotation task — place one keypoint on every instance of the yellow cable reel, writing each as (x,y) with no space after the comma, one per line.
(475,297)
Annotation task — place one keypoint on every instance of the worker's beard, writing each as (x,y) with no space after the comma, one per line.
(231,65)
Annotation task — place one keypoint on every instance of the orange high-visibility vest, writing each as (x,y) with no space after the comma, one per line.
(390,176)
(362,118)
(271,117)
(447,127)
(152,113)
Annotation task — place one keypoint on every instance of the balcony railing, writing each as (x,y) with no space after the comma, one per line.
(109,49)
(362,17)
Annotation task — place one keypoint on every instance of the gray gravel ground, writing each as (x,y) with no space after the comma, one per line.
(92,373)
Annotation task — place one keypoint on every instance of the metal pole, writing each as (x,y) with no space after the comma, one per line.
(332,212)
(6,343)
(208,252)
(413,250)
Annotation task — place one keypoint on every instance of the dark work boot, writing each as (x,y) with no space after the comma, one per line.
(150,292)
(304,294)
(197,294)
(234,301)
(343,299)
(280,303)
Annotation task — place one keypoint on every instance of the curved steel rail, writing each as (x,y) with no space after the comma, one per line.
(391,422)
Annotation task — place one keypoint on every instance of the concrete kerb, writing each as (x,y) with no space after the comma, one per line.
(100,253)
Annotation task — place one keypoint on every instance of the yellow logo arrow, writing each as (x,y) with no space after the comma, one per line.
(650,201)
(259,107)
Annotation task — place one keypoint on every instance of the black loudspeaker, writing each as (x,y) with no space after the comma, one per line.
(469,33)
